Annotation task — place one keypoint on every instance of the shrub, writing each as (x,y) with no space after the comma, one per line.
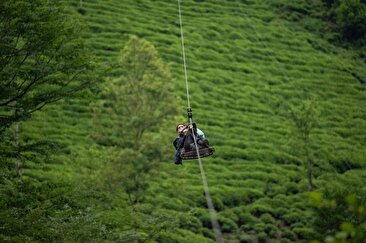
(247,227)
(259,227)
(244,238)
(230,214)
(262,237)
(246,218)
(208,233)
(291,188)
(234,36)
(189,222)
(288,234)
(304,233)
(219,206)
(271,230)
(82,11)
(340,210)
(227,225)
(297,225)
(351,19)
(235,198)
(291,217)
(204,217)
(285,241)
(267,218)
(173,204)
(254,195)
(257,210)
(279,212)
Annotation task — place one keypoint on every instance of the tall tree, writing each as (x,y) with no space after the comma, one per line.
(304,120)
(42,57)
(139,101)
(132,115)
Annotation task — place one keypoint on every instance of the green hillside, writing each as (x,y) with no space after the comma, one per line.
(250,63)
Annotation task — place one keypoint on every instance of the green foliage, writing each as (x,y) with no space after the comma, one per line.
(304,233)
(130,170)
(351,19)
(138,101)
(304,120)
(267,218)
(338,21)
(243,67)
(43,57)
(262,237)
(288,234)
(227,225)
(259,209)
(129,110)
(203,216)
(345,207)
(244,238)
(189,222)
(291,217)
(246,219)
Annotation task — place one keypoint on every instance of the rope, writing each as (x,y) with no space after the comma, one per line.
(215,224)
(184,54)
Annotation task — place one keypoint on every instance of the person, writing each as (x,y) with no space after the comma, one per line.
(180,141)
(181,129)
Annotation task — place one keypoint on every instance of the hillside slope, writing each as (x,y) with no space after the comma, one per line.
(246,66)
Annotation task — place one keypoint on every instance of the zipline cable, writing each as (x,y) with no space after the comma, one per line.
(215,224)
(184,55)
(211,208)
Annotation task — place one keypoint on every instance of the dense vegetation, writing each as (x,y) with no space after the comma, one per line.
(278,87)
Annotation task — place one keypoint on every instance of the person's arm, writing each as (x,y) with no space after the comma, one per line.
(175,143)
(194,126)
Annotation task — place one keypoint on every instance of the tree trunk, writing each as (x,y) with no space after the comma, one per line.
(18,160)
(310,178)
(81,3)
(131,201)
(310,164)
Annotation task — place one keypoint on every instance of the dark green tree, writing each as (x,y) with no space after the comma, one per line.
(351,19)
(42,57)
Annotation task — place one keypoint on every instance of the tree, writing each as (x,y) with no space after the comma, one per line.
(42,57)
(139,101)
(131,115)
(351,19)
(131,118)
(304,120)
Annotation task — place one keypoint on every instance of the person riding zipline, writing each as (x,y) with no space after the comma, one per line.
(185,140)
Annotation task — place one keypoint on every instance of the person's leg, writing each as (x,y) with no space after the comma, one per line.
(188,141)
(177,159)
(203,143)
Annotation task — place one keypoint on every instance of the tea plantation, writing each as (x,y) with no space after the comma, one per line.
(258,72)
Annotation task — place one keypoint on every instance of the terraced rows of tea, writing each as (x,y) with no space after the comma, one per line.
(246,66)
